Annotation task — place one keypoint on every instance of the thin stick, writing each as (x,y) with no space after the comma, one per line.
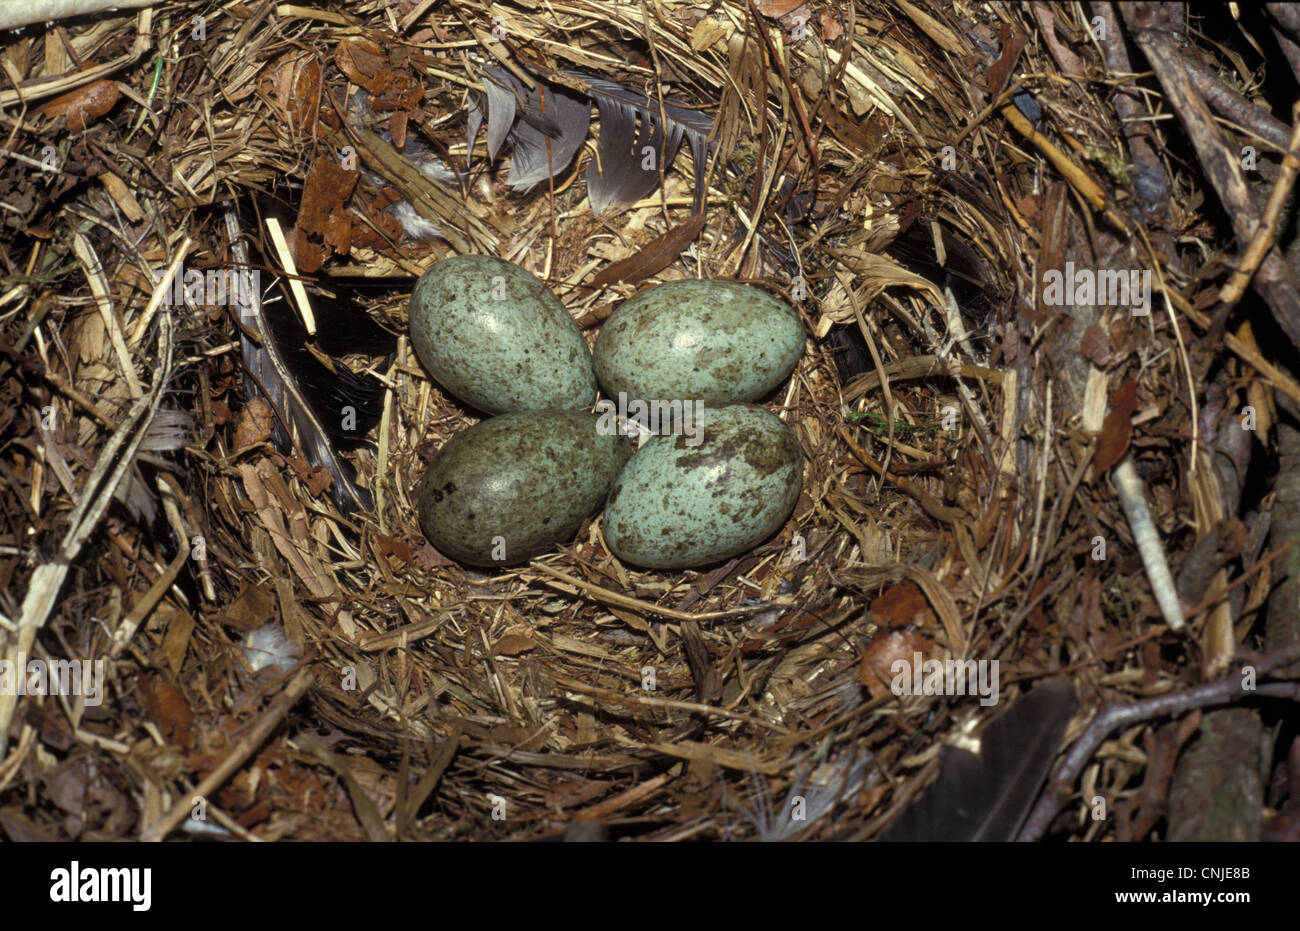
(295,284)
(1113,717)
(1076,176)
(242,750)
(1266,231)
(160,291)
(635,699)
(635,604)
(99,289)
(122,636)
(1133,499)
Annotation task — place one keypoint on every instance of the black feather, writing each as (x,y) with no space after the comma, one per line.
(265,361)
(986,796)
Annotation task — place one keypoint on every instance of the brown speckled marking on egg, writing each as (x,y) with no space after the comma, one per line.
(676,506)
(714,341)
(494,336)
(528,477)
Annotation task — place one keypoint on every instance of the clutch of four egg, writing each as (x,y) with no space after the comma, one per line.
(512,486)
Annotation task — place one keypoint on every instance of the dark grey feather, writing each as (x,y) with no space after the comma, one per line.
(544,135)
(637,135)
(633,126)
(501,109)
(986,796)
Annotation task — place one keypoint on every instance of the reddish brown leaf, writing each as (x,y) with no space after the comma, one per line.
(514,644)
(317,478)
(255,815)
(1000,74)
(84,105)
(1037,619)
(521,738)
(254,607)
(390,546)
(323,225)
(1095,345)
(397,128)
(1117,429)
(653,257)
(870,797)
(1030,205)
(902,605)
(221,413)
(775,9)
(371,203)
(398,91)
(426,557)
(292,81)
(53,728)
(167,706)
(882,652)
(255,423)
(363,62)
(831,28)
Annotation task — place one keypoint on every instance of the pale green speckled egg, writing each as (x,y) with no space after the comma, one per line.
(713,341)
(495,337)
(511,487)
(677,506)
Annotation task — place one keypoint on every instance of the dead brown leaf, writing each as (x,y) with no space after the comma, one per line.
(902,605)
(1095,345)
(323,226)
(177,639)
(653,257)
(317,478)
(426,557)
(999,75)
(363,62)
(293,83)
(84,105)
(1117,428)
(885,649)
(390,546)
(775,9)
(514,644)
(167,706)
(831,28)
(255,423)
(254,607)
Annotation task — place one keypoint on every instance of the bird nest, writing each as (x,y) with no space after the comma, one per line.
(1001,466)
